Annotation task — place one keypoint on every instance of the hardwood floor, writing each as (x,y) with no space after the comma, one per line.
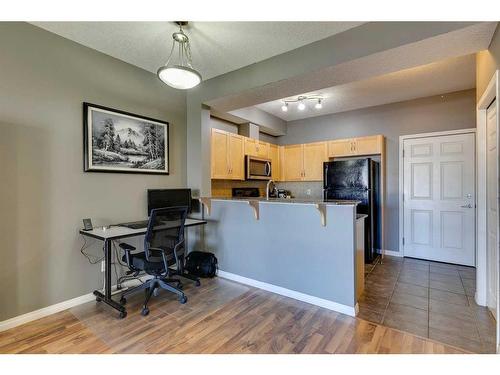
(220,317)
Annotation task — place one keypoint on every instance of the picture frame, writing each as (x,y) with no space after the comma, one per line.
(116,141)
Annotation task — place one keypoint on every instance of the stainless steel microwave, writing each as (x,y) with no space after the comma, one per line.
(257,168)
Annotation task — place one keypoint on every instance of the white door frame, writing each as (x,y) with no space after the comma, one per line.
(491,92)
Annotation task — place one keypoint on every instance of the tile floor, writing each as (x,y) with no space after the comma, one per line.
(430,299)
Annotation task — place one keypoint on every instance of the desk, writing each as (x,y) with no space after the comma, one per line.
(116,233)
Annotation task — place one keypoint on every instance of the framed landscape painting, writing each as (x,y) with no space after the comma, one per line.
(117,141)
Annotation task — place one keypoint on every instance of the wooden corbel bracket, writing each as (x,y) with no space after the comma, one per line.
(321,207)
(207,203)
(255,206)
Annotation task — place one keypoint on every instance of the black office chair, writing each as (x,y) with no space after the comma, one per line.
(163,247)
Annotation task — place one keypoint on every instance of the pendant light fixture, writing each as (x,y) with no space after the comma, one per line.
(179,73)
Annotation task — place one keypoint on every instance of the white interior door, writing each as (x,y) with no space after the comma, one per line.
(439,198)
(492,206)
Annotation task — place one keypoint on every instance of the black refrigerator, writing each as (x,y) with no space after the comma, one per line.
(357,179)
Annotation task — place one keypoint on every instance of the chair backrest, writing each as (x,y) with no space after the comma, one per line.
(165,228)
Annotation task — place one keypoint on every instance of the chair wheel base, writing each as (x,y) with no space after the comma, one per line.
(197,283)
(123,301)
(183,299)
(123,314)
(98,299)
(180,285)
(144,311)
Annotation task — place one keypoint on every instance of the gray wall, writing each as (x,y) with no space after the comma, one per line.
(44,193)
(454,111)
(267,122)
(227,126)
(220,124)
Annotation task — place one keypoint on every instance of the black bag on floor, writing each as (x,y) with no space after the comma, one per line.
(202,264)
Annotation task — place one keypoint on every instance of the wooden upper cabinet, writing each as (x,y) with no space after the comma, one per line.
(227,156)
(341,147)
(293,167)
(371,145)
(274,155)
(304,162)
(220,154)
(256,148)
(236,157)
(315,154)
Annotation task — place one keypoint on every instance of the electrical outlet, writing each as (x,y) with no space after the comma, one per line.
(308,192)
(103,266)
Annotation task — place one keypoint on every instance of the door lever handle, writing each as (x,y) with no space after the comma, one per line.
(467,206)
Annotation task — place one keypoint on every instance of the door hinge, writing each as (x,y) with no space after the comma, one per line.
(403,152)
(403,241)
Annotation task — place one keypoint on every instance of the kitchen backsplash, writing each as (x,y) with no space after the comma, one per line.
(306,189)
(303,189)
(223,188)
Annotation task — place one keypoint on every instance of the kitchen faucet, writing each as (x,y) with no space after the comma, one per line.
(267,188)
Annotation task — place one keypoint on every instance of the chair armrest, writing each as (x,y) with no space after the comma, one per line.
(126,246)
(175,251)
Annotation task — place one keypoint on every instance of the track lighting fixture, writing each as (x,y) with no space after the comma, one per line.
(302,100)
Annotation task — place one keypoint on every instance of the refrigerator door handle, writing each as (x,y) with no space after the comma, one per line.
(325,192)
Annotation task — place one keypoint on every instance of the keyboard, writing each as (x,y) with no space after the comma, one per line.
(135,224)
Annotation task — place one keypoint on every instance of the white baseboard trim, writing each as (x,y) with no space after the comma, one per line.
(43,312)
(330,305)
(49,310)
(392,253)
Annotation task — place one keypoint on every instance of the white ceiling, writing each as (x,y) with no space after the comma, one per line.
(444,76)
(217,47)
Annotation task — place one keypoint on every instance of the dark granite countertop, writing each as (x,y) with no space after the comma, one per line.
(332,202)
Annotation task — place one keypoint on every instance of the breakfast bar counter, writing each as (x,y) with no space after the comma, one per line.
(304,249)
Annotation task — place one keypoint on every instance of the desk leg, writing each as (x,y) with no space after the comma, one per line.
(106,297)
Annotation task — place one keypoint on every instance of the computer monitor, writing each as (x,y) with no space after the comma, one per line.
(160,198)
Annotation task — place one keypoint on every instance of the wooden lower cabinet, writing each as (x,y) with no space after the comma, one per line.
(360,257)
